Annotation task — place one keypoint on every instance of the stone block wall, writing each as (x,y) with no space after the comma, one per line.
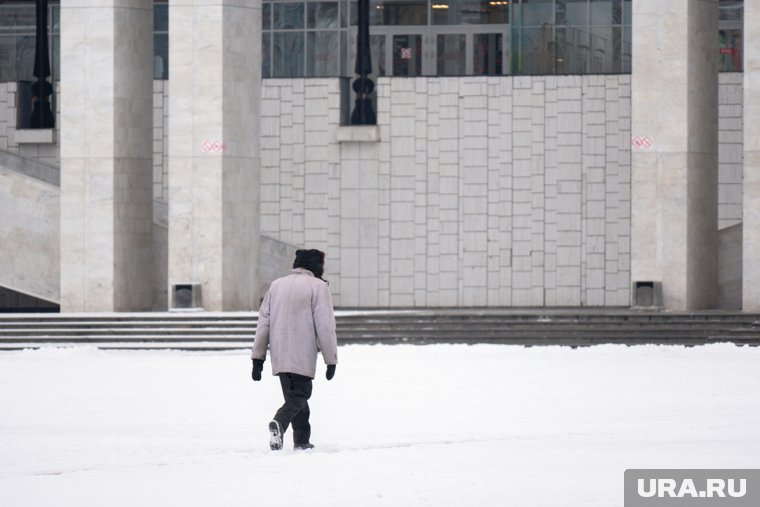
(730,149)
(160,194)
(8,115)
(44,153)
(160,140)
(481,191)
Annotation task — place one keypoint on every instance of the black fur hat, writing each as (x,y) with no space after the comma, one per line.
(313,260)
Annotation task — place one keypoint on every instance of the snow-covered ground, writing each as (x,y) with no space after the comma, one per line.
(439,425)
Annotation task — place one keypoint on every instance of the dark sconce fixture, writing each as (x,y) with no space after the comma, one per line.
(363,86)
(42,115)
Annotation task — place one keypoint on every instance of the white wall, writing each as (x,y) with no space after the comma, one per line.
(730,149)
(481,191)
(160,140)
(388,213)
(48,154)
(29,234)
(751,157)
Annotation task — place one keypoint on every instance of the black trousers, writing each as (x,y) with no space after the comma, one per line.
(296,389)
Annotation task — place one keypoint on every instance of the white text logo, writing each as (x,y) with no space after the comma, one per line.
(670,488)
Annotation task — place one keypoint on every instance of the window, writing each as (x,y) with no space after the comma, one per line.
(488,54)
(470,12)
(308,38)
(288,55)
(730,24)
(287,16)
(407,55)
(572,12)
(322,15)
(398,12)
(535,12)
(571,37)
(323,53)
(17,41)
(161,41)
(316,38)
(323,46)
(451,57)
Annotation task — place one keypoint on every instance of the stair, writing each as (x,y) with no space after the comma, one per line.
(166,330)
(235,330)
(573,327)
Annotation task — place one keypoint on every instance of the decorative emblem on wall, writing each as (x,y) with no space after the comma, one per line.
(642,143)
(213,147)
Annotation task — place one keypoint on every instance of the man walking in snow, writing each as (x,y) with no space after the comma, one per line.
(296,321)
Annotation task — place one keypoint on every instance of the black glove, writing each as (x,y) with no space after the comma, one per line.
(258,365)
(330,373)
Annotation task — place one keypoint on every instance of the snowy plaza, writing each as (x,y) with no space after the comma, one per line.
(537,220)
(404,425)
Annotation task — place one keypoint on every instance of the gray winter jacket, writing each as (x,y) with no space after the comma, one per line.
(296,320)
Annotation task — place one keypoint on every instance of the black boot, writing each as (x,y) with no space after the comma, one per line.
(275,439)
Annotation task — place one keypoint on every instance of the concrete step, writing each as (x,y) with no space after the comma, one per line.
(474,330)
(553,336)
(199,346)
(83,331)
(554,323)
(108,338)
(234,331)
(505,320)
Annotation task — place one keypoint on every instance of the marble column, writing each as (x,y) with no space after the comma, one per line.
(751,181)
(214,167)
(751,177)
(675,150)
(106,154)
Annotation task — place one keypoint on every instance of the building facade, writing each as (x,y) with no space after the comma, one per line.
(527,153)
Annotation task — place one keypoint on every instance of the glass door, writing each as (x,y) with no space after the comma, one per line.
(488,54)
(412,51)
(469,50)
(730,46)
(377,50)
(396,51)
(451,54)
(406,54)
